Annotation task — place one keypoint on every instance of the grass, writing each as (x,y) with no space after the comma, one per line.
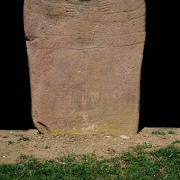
(142,147)
(171,132)
(137,164)
(159,133)
(10,142)
(176,142)
(23,138)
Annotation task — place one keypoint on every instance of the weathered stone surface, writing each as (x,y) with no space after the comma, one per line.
(85,59)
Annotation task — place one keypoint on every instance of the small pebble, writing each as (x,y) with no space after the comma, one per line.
(124,137)
(107,136)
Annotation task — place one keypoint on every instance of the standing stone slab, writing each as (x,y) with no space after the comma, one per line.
(85,59)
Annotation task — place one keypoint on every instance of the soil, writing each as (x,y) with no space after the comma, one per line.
(16,144)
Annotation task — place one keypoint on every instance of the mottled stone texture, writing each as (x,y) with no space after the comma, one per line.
(85,59)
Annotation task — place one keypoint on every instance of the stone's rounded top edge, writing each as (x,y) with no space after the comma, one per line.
(75,8)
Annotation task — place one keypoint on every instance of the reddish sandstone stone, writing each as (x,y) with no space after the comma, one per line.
(85,59)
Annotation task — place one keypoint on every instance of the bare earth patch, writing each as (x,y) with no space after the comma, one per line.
(15,144)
